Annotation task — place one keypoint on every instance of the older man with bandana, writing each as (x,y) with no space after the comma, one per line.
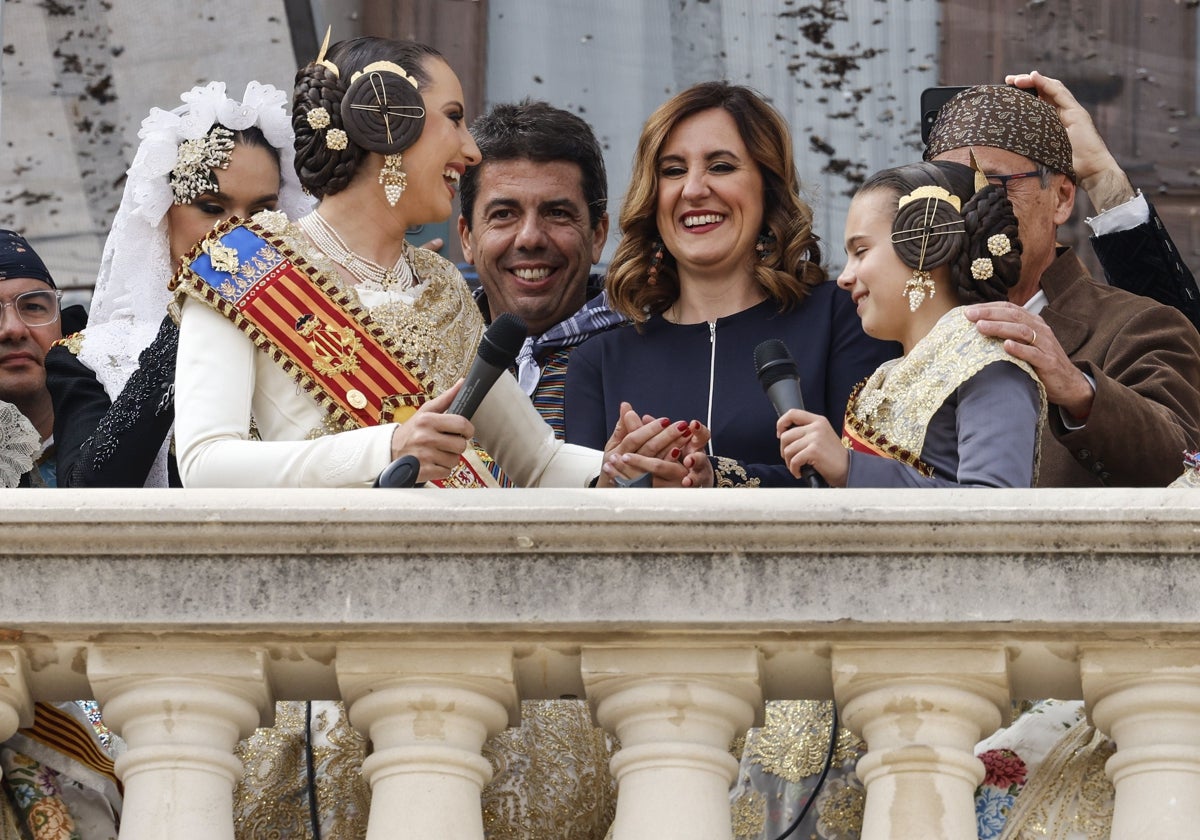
(1121,371)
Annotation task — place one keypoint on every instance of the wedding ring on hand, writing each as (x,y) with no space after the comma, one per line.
(1032,337)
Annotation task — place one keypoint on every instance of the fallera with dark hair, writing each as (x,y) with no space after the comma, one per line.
(537,131)
(323,164)
(985,213)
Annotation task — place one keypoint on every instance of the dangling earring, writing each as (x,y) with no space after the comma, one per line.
(393,178)
(765,245)
(657,252)
(920,284)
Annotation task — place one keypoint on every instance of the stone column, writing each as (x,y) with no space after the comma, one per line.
(675,712)
(16,703)
(180,711)
(1148,701)
(921,712)
(427,712)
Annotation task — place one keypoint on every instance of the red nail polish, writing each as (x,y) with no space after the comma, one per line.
(686,433)
(681,425)
(665,422)
(674,453)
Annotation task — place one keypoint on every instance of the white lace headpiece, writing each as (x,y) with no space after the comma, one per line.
(131,297)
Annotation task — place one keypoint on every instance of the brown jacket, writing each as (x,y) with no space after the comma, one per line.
(1145,360)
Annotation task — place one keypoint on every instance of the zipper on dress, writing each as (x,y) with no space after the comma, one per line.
(712,373)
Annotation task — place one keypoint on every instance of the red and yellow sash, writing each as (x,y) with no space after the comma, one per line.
(314,332)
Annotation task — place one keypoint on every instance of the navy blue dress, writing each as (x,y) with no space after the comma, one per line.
(706,372)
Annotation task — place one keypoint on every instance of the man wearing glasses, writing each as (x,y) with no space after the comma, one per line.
(29,323)
(1122,373)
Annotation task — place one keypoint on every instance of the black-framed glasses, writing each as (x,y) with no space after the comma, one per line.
(1002,180)
(38,308)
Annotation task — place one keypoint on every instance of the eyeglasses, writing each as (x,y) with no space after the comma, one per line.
(1002,180)
(35,309)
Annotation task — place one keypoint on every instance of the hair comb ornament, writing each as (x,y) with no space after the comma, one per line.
(322,60)
(195,160)
(925,234)
(981,180)
(930,192)
(382,110)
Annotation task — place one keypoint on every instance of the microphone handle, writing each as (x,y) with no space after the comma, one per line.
(479,381)
(784,396)
(402,472)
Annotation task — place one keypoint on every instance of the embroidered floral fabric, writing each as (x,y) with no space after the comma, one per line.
(58,779)
(36,794)
(1045,777)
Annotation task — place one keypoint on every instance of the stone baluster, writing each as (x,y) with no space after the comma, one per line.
(675,712)
(1148,702)
(921,712)
(427,712)
(181,711)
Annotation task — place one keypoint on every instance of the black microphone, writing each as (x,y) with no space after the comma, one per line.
(497,351)
(400,473)
(780,378)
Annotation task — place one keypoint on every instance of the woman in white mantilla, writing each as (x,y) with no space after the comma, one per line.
(206,160)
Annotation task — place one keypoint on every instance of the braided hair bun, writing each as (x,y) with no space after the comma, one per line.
(323,167)
(990,265)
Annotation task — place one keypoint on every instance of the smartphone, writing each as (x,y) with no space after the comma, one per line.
(932,100)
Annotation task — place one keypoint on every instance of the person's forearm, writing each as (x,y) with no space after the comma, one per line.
(1108,188)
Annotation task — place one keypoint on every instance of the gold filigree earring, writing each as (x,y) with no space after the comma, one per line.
(393,178)
(919,285)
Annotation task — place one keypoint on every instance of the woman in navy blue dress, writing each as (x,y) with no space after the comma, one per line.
(717,255)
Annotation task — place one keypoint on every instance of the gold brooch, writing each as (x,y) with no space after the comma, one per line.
(223,258)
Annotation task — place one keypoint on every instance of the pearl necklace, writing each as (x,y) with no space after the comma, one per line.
(399,276)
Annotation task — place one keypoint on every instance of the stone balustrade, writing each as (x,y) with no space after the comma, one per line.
(675,613)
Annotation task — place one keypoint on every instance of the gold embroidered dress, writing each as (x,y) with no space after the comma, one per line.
(956,411)
(1044,777)
(780,770)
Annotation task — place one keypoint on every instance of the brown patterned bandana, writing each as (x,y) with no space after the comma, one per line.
(1003,117)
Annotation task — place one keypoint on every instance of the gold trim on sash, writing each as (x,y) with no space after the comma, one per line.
(313,330)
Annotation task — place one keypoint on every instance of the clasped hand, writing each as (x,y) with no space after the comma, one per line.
(671,452)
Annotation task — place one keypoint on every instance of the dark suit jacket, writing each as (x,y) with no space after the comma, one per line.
(1145,360)
(1145,261)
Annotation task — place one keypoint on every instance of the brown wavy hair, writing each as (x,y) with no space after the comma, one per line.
(792,266)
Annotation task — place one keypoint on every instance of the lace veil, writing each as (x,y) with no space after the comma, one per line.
(131,294)
(20,443)
(131,297)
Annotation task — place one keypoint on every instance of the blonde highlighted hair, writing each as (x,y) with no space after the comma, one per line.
(793,265)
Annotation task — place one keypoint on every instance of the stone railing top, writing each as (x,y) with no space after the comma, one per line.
(785,570)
